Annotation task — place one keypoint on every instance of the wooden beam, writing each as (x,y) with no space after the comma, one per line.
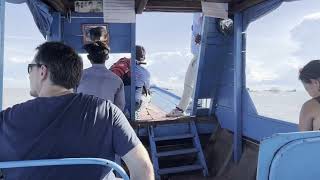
(219,1)
(238,7)
(62,6)
(140,6)
(184,119)
(174,6)
(173,10)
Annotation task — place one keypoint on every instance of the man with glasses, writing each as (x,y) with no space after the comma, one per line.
(61,124)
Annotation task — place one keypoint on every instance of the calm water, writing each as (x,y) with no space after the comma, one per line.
(281,105)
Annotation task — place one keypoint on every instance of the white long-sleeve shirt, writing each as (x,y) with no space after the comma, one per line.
(196,29)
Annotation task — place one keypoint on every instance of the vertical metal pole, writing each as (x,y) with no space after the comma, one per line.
(2,24)
(133,74)
(238,80)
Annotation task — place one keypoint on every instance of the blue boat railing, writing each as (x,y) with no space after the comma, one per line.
(66,161)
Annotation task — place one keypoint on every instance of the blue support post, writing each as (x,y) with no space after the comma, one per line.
(56,30)
(238,80)
(200,61)
(133,74)
(153,152)
(2,24)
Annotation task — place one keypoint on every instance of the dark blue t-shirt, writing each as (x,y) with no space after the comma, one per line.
(69,126)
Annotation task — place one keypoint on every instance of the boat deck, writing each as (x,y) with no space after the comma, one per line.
(152,115)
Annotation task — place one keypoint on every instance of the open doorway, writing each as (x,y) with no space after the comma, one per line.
(166,38)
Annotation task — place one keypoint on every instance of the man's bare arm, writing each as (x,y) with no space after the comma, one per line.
(139,164)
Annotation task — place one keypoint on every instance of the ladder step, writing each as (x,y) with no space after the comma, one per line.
(183,136)
(177,152)
(179,169)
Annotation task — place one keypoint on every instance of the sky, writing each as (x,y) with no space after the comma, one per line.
(282,42)
(277,45)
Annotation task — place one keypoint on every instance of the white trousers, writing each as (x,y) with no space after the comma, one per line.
(189,83)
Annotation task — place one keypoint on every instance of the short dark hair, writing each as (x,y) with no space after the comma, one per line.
(98,52)
(63,63)
(310,71)
(96,33)
(140,53)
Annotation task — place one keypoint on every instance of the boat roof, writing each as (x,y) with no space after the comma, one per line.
(162,5)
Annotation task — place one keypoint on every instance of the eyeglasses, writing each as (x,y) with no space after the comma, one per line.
(32,65)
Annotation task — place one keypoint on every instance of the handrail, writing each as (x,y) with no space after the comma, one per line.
(65,161)
(163,90)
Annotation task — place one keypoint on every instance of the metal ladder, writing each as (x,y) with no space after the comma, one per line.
(155,154)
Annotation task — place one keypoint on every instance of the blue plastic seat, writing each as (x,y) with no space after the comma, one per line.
(66,161)
(289,156)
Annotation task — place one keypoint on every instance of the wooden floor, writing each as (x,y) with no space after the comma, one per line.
(154,115)
(151,113)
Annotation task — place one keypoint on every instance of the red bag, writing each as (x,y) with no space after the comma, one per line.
(122,68)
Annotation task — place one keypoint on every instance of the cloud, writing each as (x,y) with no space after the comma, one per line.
(274,56)
(313,16)
(168,68)
(305,34)
(268,59)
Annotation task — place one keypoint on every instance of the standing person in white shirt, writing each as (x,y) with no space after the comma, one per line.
(190,77)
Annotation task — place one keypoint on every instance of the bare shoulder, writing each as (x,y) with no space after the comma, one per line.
(308,113)
(311,105)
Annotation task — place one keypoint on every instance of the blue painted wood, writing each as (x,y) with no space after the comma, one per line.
(2,24)
(226,96)
(63,162)
(197,144)
(55,31)
(166,92)
(259,127)
(171,129)
(215,61)
(153,148)
(254,126)
(203,129)
(249,107)
(182,136)
(177,152)
(71,33)
(289,156)
(163,99)
(302,156)
(214,72)
(133,72)
(200,63)
(225,117)
(192,134)
(179,169)
(238,76)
